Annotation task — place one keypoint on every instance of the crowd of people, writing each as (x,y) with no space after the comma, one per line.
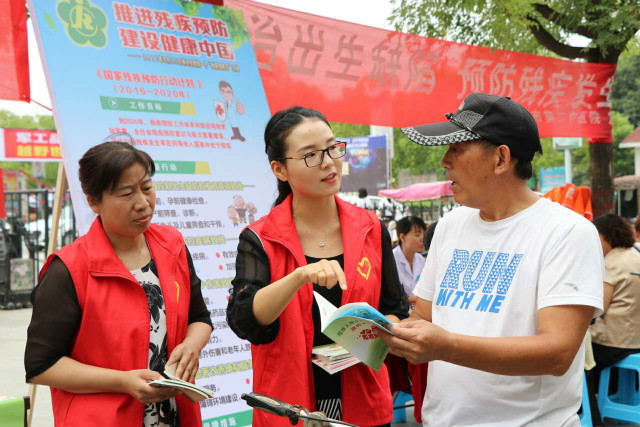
(494,302)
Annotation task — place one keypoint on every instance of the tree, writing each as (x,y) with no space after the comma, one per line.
(626,87)
(535,26)
(9,120)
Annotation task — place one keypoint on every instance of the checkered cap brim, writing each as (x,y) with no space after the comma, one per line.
(443,133)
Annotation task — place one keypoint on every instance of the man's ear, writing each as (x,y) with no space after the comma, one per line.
(279,170)
(503,159)
(93,204)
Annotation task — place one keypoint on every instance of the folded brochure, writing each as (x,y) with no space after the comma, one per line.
(333,358)
(351,327)
(193,392)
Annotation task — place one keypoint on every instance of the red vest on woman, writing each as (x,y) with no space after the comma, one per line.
(114,330)
(282,368)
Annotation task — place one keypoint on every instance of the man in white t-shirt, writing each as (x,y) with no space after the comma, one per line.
(510,285)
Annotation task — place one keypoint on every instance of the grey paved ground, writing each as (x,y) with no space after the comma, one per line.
(13,336)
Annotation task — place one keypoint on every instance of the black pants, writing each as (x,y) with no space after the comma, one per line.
(606,356)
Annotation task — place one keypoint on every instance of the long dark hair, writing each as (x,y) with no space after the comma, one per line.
(278,129)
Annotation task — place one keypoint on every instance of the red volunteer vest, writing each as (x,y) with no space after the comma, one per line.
(114,331)
(282,368)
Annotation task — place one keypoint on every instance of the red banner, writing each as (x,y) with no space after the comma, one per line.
(14,56)
(24,145)
(358,74)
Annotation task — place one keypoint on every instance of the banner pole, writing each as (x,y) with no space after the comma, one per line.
(61,188)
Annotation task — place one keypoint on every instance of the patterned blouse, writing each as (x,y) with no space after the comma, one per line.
(165,413)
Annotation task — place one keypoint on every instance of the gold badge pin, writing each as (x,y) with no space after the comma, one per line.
(364,268)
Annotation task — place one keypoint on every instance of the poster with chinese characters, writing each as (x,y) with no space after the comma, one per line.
(27,145)
(181,78)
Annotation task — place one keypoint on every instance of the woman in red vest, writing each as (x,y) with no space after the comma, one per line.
(115,307)
(311,240)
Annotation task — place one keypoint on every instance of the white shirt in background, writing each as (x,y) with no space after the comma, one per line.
(408,276)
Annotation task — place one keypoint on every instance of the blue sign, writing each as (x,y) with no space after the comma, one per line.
(551,177)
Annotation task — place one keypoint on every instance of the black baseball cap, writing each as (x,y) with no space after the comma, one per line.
(496,119)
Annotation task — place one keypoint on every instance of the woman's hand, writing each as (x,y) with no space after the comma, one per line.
(324,273)
(186,356)
(136,384)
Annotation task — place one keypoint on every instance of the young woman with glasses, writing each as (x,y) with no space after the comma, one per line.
(311,240)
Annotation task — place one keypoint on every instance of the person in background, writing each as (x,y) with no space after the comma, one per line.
(636,234)
(363,202)
(616,333)
(311,241)
(408,254)
(388,208)
(428,236)
(116,306)
(410,262)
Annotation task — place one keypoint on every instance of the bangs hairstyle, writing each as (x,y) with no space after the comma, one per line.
(102,166)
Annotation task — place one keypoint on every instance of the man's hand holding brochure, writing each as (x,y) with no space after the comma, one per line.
(350,326)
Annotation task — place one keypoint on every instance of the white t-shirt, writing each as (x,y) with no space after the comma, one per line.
(408,276)
(489,279)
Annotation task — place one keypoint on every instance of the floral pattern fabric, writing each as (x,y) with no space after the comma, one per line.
(160,414)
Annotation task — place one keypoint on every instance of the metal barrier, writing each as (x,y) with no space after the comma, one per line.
(24,240)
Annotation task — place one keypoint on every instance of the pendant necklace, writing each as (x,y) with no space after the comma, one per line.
(146,245)
(321,243)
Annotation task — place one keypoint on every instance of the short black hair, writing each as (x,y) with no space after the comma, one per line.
(615,230)
(406,224)
(102,166)
(428,235)
(523,168)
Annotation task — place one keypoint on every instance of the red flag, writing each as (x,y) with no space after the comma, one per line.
(14,56)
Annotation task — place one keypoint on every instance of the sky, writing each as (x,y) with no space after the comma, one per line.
(377,12)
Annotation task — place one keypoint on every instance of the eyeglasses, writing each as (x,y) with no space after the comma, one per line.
(316,157)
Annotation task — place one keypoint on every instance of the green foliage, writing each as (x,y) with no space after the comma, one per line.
(477,22)
(346,130)
(625,94)
(416,158)
(623,162)
(623,158)
(9,120)
(235,24)
(509,24)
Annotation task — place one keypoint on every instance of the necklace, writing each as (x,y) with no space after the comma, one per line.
(145,246)
(322,243)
